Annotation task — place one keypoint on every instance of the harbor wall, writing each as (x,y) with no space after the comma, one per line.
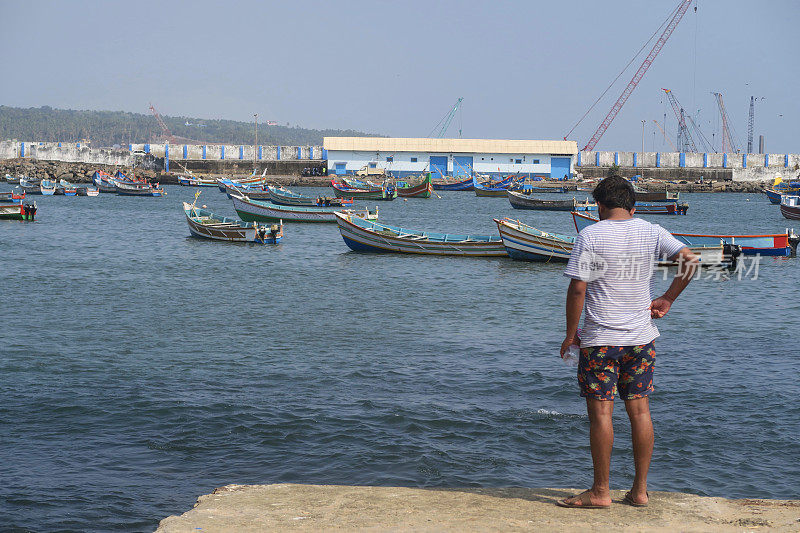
(680,165)
(164,153)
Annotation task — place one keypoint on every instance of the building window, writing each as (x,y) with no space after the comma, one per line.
(535,161)
(511,160)
(518,161)
(390,159)
(413,159)
(373,165)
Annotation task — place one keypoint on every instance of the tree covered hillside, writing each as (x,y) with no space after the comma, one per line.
(107,128)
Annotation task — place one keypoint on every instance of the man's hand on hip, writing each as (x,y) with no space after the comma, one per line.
(659,307)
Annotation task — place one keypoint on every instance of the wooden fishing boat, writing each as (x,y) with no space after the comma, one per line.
(103,181)
(673,208)
(66,188)
(252,181)
(368,236)
(16,194)
(656,196)
(12,180)
(258,211)
(774,195)
(790,207)
(423,189)
(205,224)
(281,196)
(139,189)
(538,190)
(29,186)
(490,187)
(17,210)
(445,183)
(47,187)
(384,192)
(776,244)
(527,243)
(524,201)
(192,181)
(85,190)
(253,192)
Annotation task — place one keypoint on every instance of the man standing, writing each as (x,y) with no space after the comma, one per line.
(611,267)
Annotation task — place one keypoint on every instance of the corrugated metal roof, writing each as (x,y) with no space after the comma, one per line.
(481,146)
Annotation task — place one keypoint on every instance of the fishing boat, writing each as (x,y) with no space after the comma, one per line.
(369,236)
(251,181)
(103,181)
(422,189)
(490,187)
(524,201)
(192,181)
(259,211)
(12,180)
(85,190)
(445,183)
(17,210)
(656,196)
(66,188)
(536,189)
(774,196)
(138,189)
(29,186)
(205,224)
(673,208)
(281,196)
(776,244)
(253,192)
(386,191)
(790,207)
(526,243)
(47,187)
(16,194)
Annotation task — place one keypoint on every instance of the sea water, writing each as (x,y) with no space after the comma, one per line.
(141,368)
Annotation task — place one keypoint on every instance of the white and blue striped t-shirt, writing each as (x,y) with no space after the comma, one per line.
(616,259)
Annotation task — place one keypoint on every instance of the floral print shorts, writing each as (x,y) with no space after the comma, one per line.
(602,369)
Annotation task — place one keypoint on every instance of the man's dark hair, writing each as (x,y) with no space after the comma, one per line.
(615,191)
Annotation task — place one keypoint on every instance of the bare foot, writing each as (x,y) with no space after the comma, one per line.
(586,500)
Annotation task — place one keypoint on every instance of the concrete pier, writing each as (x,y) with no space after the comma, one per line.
(289,507)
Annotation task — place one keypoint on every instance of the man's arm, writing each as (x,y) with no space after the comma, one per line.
(576,293)
(688,264)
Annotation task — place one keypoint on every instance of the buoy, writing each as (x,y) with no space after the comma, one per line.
(405,199)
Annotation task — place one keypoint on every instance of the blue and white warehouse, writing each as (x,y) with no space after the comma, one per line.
(401,157)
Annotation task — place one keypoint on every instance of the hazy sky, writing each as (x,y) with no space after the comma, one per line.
(526,70)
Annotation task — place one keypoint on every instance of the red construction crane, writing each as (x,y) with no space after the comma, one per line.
(662,40)
(166,134)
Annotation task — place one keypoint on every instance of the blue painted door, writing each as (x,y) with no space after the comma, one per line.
(341,168)
(438,166)
(559,167)
(462,165)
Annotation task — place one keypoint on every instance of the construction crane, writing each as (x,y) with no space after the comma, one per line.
(685,141)
(447,120)
(664,133)
(728,142)
(165,133)
(751,123)
(679,11)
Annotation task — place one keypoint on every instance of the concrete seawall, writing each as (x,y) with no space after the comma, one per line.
(288,507)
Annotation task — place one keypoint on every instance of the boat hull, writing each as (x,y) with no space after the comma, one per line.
(258,211)
(204,224)
(362,239)
(381,194)
(778,244)
(792,212)
(657,196)
(523,201)
(420,190)
(440,184)
(17,211)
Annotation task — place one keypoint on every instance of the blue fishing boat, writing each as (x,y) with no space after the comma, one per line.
(445,183)
(369,236)
(778,244)
(490,187)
